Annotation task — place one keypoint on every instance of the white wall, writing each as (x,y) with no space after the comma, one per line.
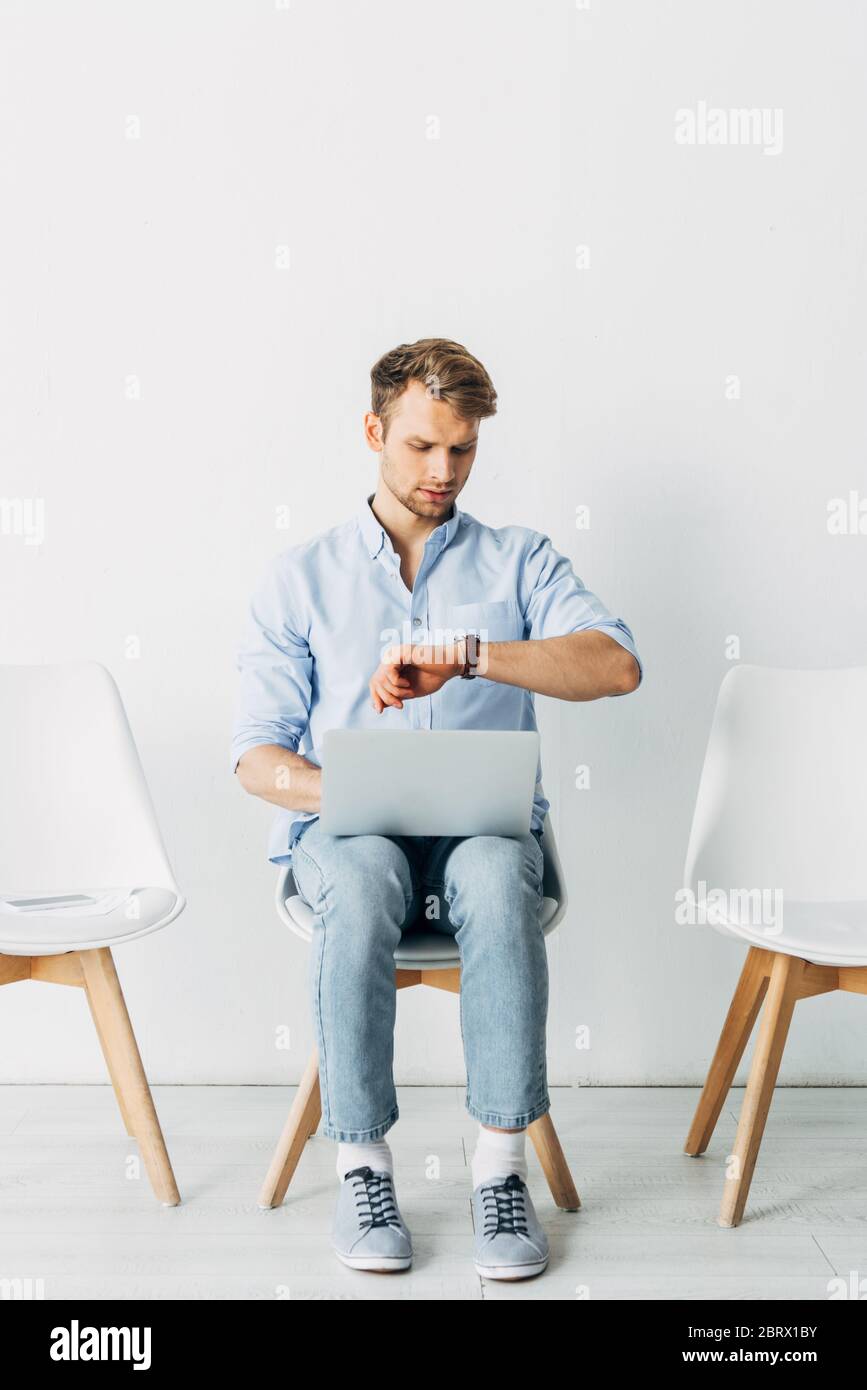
(154,258)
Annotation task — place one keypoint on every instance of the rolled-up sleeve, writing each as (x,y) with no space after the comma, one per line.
(276,668)
(556,602)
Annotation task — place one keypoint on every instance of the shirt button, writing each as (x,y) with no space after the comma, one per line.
(417,621)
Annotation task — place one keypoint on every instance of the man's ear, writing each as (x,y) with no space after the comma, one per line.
(373,432)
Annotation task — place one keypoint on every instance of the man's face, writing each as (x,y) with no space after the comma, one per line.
(428,453)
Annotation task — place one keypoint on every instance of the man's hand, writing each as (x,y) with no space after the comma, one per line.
(410,671)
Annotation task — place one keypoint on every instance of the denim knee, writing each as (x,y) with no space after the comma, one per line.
(368,875)
(491,871)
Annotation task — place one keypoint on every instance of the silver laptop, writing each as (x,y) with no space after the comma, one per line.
(428,781)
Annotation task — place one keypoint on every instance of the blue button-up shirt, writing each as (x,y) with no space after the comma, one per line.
(327,608)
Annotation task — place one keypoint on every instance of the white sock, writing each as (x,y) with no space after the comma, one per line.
(376,1155)
(498,1154)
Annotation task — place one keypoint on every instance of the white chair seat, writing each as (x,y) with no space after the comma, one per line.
(419,948)
(824,933)
(46,934)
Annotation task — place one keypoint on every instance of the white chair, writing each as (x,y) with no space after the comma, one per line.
(76,820)
(779,841)
(422,957)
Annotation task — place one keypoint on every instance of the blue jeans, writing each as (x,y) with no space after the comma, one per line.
(365,890)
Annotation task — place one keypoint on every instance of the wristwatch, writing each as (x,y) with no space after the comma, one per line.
(471,656)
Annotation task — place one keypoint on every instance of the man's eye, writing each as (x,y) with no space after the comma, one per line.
(422,448)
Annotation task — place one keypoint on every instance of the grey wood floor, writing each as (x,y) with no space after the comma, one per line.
(75,1214)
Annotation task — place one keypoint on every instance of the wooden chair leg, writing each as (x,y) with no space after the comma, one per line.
(541,1131)
(301,1124)
(109,1062)
(742,1014)
(553,1161)
(783,992)
(117,1039)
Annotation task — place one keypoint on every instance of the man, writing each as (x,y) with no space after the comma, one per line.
(362,627)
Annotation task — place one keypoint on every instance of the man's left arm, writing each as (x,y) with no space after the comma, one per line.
(576,651)
(576,666)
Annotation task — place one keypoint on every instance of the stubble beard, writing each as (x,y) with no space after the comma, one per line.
(409,497)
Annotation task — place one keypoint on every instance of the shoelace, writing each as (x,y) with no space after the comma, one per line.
(503,1206)
(374,1192)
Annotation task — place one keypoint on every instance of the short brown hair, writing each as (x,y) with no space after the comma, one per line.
(450,372)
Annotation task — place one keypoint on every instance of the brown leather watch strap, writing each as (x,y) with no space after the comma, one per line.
(471,657)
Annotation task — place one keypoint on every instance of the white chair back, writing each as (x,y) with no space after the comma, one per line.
(75,811)
(782,802)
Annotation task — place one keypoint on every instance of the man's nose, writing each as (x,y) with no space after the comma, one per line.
(442,467)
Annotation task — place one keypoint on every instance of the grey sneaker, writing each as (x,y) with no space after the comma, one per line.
(510,1243)
(369,1231)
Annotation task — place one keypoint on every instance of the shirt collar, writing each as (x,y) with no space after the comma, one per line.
(375,535)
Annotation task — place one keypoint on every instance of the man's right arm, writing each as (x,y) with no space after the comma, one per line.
(281,776)
(276,667)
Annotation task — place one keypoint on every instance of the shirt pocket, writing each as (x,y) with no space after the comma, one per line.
(501,621)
